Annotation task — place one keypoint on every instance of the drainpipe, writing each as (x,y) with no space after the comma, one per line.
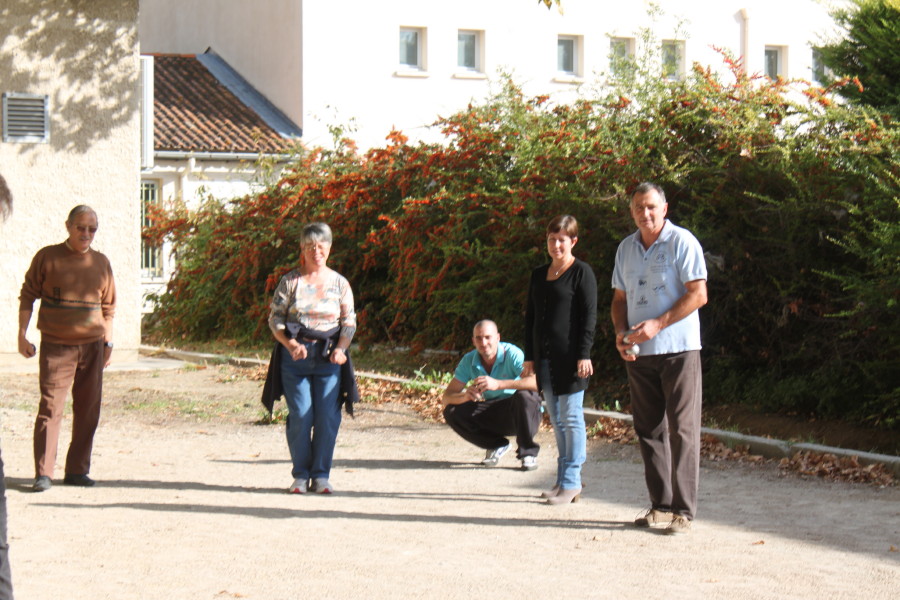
(745,39)
(185,177)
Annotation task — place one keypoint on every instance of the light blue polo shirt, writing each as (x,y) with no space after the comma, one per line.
(507,366)
(653,281)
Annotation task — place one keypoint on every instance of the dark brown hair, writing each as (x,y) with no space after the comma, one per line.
(565,224)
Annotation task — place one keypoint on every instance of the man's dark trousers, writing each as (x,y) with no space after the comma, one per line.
(487,424)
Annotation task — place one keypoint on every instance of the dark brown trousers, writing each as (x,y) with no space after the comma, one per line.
(61,367)
(666,398)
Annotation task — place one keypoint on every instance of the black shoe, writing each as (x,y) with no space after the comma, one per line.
(79,480)
(42,484)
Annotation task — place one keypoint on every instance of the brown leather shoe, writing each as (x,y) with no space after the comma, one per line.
(679,525)
(653,518)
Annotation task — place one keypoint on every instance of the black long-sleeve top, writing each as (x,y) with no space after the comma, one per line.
(560,318)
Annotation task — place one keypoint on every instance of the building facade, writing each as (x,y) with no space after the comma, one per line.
(207,134)
(371,66)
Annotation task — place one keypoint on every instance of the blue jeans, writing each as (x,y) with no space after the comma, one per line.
(311,387)
(567,417)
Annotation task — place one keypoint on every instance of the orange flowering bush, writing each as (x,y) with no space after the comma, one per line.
(793,197)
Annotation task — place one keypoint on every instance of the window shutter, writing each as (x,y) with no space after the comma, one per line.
(26,117)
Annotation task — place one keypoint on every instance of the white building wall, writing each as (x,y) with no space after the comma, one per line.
(85,58)
(347,67)
(191,181)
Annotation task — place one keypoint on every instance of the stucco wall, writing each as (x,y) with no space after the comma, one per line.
(85,56)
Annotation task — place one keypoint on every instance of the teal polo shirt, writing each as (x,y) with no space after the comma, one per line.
(507,366)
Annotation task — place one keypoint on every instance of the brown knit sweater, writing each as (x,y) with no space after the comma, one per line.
(77,292)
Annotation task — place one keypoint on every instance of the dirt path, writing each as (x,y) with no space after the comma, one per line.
(197,509)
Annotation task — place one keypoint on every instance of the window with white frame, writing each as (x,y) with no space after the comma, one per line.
(820,73)
(469,50)
(568,55)
(26,118)
(621,55)
(151,256)
(672,59)
(412,48)
(773,65)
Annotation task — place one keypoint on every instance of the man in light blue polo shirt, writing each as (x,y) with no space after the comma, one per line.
(488,399)
(659,283)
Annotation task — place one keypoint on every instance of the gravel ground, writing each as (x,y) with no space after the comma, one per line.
(191,502)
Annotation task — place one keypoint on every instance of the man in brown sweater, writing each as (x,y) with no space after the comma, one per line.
(78,300)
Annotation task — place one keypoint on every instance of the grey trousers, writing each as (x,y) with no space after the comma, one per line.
(6,591)
(666,399)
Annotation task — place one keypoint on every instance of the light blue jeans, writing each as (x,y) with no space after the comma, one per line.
(567,417)
(311,387)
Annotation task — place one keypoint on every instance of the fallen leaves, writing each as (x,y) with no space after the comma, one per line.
(826,466)
(427,402)
(711,448)
(831,467)
(613,430)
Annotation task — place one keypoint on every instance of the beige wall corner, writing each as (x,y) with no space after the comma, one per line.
(85,59)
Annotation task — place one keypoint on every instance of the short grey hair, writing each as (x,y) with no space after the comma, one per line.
(649,186)
(80,210)
(315,232)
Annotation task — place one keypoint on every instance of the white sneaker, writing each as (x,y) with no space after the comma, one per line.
(321,486)
(299,487)
(529,463)
(492,457)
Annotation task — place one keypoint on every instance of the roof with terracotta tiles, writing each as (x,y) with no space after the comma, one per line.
(195,111)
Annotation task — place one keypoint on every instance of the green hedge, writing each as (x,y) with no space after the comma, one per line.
(793,196)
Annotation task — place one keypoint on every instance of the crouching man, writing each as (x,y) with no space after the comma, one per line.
(488,399)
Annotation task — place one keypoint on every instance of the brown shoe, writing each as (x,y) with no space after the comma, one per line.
(679,525)
(653,518)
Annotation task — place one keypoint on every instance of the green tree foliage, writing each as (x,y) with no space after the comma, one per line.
(869,51)
(793,196)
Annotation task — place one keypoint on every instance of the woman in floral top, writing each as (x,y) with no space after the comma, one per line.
(312,317)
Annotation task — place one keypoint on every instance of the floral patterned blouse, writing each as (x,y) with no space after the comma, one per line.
(321,306)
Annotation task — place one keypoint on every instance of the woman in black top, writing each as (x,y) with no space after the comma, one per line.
(560,320)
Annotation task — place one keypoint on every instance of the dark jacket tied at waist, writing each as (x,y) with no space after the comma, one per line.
(273,389)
